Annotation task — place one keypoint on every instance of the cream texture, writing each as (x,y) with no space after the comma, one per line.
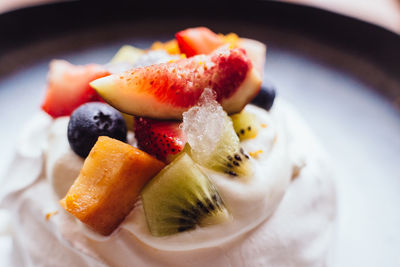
(277,221)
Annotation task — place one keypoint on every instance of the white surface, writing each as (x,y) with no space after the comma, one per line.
(5,239)
(361,131)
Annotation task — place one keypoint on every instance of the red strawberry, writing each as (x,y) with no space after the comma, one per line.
(162,139)
(201,40)
(68,87)
(196,41)
(165,91)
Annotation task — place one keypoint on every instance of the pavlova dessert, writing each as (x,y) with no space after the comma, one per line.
(169,156)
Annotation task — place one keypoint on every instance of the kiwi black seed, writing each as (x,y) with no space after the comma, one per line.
(245,124)
(235,161)
(181,197)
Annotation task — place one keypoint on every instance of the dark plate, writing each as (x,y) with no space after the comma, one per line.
(342,74)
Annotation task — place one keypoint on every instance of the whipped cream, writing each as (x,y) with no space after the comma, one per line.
(276,221)
(249,202)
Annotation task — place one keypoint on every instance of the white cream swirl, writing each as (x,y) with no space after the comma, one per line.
(276,222)
(249,202)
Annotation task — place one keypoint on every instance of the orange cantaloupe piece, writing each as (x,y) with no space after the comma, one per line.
(109,184)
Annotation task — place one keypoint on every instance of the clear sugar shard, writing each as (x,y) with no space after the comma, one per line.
(204,123)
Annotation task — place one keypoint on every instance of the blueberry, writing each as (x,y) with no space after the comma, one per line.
(92,120)
(265,98)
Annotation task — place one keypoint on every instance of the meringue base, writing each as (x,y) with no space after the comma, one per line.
(298,233)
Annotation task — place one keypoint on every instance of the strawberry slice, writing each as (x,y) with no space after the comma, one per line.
(165,91)
(162,139)
(201,40)
(196,41)
(68,87)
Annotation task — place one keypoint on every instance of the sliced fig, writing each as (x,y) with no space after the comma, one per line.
(165,91)
(256,51)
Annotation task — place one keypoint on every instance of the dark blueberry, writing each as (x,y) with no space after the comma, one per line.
(265,98)
(92,120)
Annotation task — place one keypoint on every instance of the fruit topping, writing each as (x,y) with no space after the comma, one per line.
(129,121)
(109,184)
(128,57)
(154,57)
(162,139)
(181,197)
(128,54)
(196,41)
(201,40)
(212,139)
(171,47)
(165,91)
(256,51)
(68,87)
(265,98)
(92,120)
(245,124)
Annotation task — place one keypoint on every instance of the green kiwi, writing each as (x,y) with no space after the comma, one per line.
(245,124)
(129,121)
(227,156)
(180,197)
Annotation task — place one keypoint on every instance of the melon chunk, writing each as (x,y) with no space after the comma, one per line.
(109,183)
(68,87)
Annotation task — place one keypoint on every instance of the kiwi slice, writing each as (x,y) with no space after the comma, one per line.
(129,121)
(227,156)
(212,139)
(245,124)
(180,197)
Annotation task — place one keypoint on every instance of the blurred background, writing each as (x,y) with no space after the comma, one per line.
(385,13)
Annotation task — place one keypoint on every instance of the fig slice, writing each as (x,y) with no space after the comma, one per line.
(165,91)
